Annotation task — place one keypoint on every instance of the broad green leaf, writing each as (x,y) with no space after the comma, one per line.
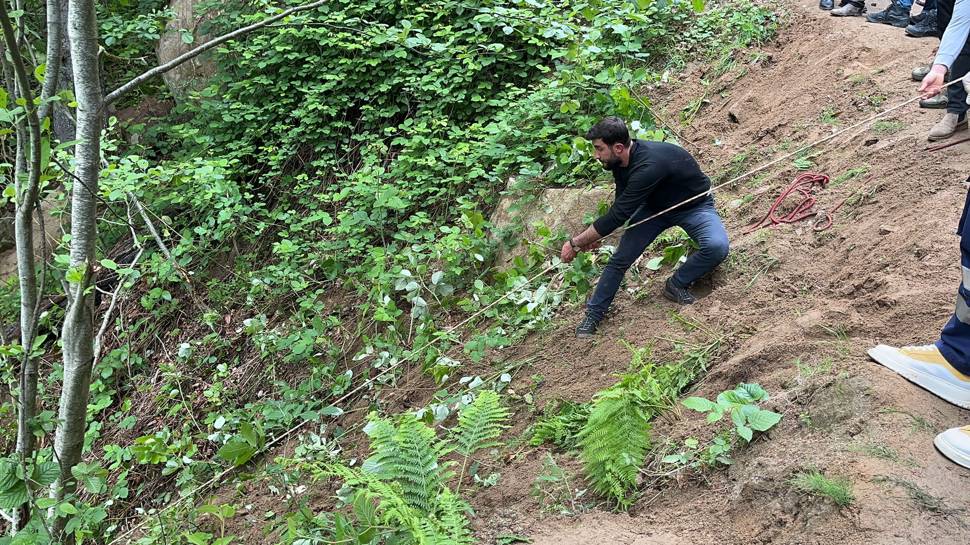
(198,538)
(8,475)
(67,508)
(655,263)
(331,411)
(745,433)
(737,418)
(249,434)
(237,451)
(109,264)
(46,473)
(763,420)
(698,5)
(14,497)
(754,391)
(698,404)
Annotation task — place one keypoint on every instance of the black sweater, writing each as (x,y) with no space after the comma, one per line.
(659,175)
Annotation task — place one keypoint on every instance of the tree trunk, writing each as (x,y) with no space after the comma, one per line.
(78,331)
(62,122)
(27,180)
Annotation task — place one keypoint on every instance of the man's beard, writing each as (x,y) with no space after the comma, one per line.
(612,163)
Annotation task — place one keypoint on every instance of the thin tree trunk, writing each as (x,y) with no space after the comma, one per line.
(28,159)
(55,43)
(63,119)
(78,331)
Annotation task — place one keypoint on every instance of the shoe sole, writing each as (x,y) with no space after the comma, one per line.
(960,127)
(585,335)
(938,106)
(950,452)
(897,25)
(887,357)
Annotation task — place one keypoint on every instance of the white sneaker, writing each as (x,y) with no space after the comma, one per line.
(926,367)
(954,443)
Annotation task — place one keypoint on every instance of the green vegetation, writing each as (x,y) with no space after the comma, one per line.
(839,490)
(830,115)
(850,174)
(553,490)
(922,499)
(321,209)
(561,425)
(741,406)
(888,126)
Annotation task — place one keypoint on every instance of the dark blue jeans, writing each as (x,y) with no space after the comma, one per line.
(702,224)
(954,341)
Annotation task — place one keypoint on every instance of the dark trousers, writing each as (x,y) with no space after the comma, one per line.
(954,341)
(702,224)
(956,94)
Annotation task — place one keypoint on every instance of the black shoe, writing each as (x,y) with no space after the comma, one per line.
(925,28)
(826,5)
(894,15)
(587,328)
(678,295)
(938,102)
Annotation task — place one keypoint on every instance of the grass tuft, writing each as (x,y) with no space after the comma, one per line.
(815,483)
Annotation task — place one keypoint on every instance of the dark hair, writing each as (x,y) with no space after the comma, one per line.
(611,130)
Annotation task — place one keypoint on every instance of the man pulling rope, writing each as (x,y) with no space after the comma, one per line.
(650,177)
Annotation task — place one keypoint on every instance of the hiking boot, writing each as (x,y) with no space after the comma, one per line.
(939,101)
(954,443)
(920,72)
(925,27)
(945,127)
(926,367)
(894,15)
(826,5)
(587,328)
(679,295)
(849,9)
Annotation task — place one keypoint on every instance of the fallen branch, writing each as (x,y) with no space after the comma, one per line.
(159,70)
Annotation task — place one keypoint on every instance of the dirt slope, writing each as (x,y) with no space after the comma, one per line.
(887,271)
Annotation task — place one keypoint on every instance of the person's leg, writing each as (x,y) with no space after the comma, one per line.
(944,12)
(704,225)
(954,343)
(956,107)
(632,244)
(956,94)
(942,368)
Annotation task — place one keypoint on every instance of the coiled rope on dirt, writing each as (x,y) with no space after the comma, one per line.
(414,352)
(805,185)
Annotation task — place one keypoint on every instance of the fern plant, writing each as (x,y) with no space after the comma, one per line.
(616,436)
(408,454)
(561,425)
(445,524)
(479,425)
(614,442)
(406,476)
